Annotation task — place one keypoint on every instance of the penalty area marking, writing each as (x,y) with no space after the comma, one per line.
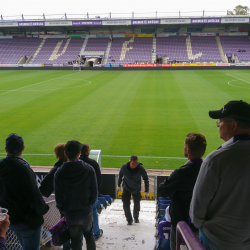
(237,80)
(37,83)
(118,156)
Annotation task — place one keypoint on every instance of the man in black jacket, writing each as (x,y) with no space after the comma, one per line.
(180,184)
(19,193)
(132,172)
(85,151)
(75,193)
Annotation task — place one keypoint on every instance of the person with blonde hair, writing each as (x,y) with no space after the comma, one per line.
(47,184)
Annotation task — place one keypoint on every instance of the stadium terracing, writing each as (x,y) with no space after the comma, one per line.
(125,42)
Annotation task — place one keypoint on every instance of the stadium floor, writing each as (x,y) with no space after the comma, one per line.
(116,233)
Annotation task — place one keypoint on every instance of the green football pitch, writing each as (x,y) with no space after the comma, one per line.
(146,113)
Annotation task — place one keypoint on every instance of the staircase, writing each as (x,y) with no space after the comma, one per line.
(236,59)
(223,56)
(84,45)
(29,59)
(154,51)
(165,59)
(106,55)
(37,51)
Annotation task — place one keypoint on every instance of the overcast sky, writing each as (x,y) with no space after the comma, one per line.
(32,7)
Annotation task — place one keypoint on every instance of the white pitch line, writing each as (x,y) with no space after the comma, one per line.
(36,84)
(236,80)
(118,156)
(38,90)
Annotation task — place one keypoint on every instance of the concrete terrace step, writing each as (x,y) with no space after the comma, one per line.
(118,235)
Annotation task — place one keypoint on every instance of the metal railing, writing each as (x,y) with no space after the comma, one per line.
(186,237)
(112,16)
(50,219)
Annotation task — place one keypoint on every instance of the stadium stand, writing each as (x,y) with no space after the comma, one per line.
(11,50)
(183,49)
(96,44)
(174,47)
(59,51)
(130,50)
(205,48)
(231,44)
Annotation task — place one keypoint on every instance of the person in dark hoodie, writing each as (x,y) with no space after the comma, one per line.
(85,151)
(132,172)
(75,193)
(19,193)
(180,184)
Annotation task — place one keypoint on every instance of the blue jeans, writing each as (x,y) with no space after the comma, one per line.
(77,228)
(209,245)
(96,228)
(29,239)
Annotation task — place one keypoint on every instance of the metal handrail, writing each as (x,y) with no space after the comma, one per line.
(185,236)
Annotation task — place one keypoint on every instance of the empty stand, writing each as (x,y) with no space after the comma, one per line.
(11,50)
(174,47)
(130,50)
(96,45)
(194,48)
(59,50)
(207,47)
(231,44)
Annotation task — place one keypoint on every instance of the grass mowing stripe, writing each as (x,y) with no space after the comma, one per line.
(147,113)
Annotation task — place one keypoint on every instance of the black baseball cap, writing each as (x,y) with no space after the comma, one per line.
(14,143)
(234,109)
(73,147)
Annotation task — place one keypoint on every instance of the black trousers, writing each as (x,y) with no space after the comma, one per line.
(126,195)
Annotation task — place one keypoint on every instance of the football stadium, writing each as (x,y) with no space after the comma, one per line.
(131,86)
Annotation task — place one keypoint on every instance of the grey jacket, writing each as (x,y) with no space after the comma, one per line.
(132,183)
(220,205)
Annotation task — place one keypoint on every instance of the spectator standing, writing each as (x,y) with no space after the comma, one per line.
(85,151)
(180,184)
(220,206)
(4,225)
(76,192)
(47,184)
(131,173)
(19,193)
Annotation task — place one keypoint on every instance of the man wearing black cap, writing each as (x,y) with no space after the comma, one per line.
(76,192)
(220,206)
(19,193)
